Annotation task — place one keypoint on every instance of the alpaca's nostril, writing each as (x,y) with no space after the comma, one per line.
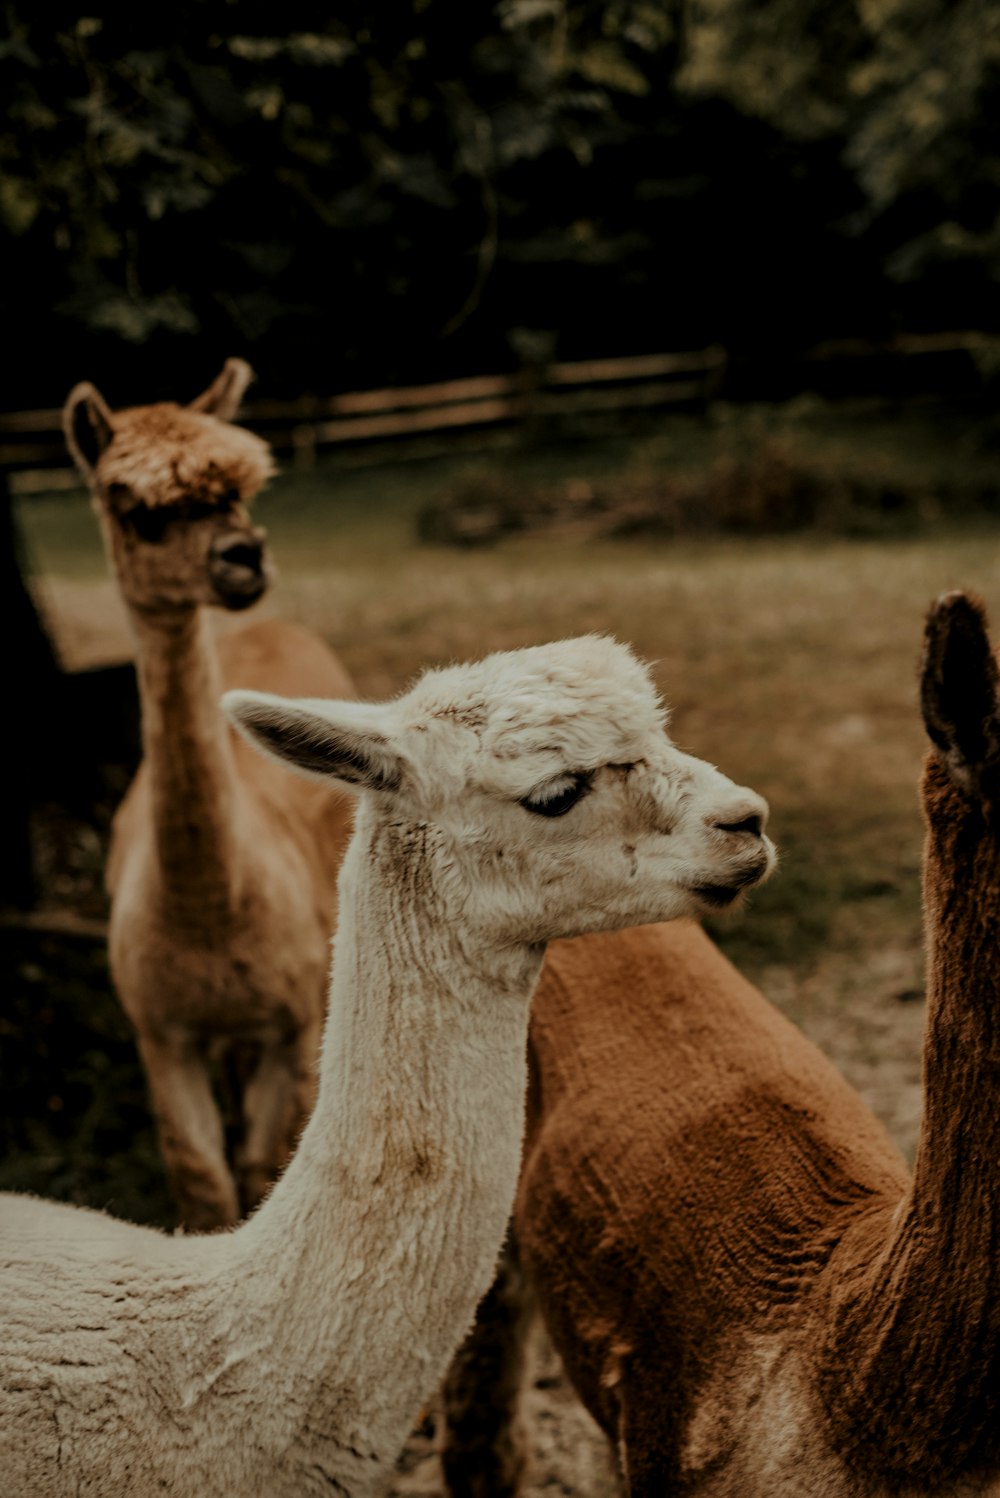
(753,824)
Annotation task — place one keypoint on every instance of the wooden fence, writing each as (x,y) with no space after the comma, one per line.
(32,446)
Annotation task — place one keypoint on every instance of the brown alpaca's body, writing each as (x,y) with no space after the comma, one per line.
(219,939)
(222,871)
(691,1162)
(751,1294)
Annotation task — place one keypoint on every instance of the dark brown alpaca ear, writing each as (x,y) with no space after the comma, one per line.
(959,688)
(223,396)
(88,427)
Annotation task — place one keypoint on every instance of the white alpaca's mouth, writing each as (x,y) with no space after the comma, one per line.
(723,894)
(718,896)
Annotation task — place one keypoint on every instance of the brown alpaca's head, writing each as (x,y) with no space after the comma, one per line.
(171,485)
(960,700)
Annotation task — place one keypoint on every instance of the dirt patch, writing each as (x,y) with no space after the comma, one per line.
(567,1452)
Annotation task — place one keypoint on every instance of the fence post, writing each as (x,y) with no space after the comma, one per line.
(304,445)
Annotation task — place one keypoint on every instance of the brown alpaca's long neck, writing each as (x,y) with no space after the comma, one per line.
(189,761)
(920,1323)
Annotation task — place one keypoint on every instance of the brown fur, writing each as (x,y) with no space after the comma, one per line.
(750,1294)
(169,454)
(222,869)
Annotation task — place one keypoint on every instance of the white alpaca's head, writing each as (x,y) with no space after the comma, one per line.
(550,799)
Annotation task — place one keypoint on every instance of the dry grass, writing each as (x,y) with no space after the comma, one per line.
(790,662)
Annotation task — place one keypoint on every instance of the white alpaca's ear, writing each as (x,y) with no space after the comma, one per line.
(88,426)
(223,396)
(322,739)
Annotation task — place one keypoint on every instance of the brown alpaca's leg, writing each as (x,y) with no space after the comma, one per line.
(277,1100)
(190,1129)
(483,1446)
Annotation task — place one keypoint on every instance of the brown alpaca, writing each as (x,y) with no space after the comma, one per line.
(751,1295)
(222,869)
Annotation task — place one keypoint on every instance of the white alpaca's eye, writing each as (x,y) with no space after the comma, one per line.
(557,797)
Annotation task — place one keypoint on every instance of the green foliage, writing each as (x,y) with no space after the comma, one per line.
(398,192)
(908,90)
(785,61)
(200,171)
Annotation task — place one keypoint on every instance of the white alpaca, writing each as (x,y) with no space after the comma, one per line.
(532,795)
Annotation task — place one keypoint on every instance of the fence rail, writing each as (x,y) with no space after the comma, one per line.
(32,446)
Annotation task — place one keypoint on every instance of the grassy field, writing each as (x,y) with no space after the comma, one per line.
(789,662)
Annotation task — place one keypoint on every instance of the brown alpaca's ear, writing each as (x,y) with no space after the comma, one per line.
(223,396)
(88,427)
(960,687)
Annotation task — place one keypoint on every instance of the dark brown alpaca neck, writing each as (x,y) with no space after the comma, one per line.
(912,1375)
(188,758)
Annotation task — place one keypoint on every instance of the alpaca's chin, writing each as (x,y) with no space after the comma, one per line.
(724,894)
(240,593)
(716,897)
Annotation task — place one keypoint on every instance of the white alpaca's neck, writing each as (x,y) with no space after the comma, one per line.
(370,1257)
(189,761)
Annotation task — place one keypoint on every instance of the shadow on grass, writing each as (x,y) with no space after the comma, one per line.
(76,1124)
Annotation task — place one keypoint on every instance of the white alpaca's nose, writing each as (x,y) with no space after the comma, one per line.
(746,815)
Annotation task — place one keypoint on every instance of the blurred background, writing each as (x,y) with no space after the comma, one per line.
(678,320)
(398,194)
